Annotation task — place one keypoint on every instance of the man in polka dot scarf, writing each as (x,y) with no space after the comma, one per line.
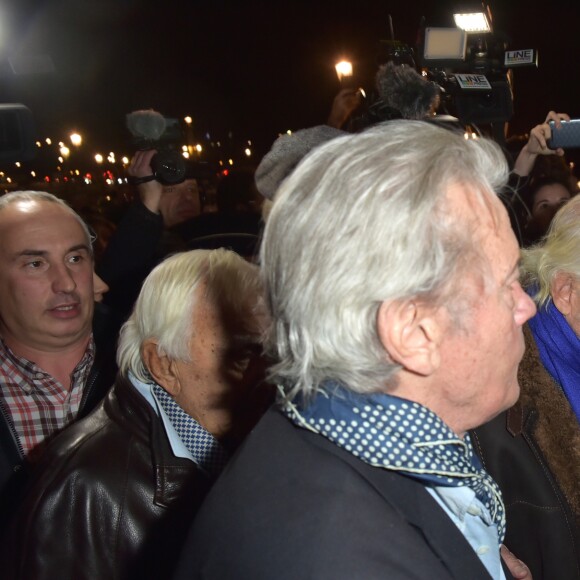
(393,282)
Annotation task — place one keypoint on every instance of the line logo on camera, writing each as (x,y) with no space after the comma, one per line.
(520,57)
(473,82)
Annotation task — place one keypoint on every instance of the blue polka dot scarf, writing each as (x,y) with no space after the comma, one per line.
(393,433)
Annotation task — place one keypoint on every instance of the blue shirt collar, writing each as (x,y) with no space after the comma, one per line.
(187,438)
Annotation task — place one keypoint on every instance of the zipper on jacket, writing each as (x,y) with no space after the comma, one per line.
(12,429)
(88,387)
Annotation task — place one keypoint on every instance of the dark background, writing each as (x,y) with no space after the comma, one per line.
(252,69)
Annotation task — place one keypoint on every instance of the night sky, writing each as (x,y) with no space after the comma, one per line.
(253,68)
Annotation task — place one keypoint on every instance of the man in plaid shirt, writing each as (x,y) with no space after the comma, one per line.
(48,375)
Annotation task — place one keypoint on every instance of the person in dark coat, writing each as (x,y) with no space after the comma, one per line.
(392,279)
(115,493)
(533,450)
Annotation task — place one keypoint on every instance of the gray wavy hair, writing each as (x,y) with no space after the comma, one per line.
(169,295)
(558,251)
(363,220)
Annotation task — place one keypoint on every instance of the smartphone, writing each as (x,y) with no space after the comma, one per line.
(567,136)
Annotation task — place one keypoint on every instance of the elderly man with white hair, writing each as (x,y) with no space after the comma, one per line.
(117,491)
(391,274)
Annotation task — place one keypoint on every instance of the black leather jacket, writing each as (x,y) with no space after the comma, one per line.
(14,468)
(110,499)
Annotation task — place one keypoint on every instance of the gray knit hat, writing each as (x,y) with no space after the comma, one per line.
(286,153)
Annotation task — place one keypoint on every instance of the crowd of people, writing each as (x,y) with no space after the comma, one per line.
(362,365)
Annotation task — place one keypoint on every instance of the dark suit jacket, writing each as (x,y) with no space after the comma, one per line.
(291,504)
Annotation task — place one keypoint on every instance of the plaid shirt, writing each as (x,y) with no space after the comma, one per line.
(35,403)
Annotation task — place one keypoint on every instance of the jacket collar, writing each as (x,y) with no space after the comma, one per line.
(544,412)
(172,474)
(414,504)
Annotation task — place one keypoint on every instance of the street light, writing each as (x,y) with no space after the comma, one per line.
(98,158)
(188,135)
(76,139)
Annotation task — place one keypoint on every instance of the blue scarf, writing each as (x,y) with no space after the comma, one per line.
(393,433)
(559,349)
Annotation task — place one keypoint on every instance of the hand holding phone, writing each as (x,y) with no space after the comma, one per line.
(567,136)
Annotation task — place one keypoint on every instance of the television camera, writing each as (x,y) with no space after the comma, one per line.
(151,130)
(473,69)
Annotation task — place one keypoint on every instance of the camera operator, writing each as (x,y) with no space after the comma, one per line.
(146,233)
(175,203)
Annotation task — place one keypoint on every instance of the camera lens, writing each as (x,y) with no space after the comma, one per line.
(168,167)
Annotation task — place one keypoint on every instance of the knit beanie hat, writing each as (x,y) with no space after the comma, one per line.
(286,153)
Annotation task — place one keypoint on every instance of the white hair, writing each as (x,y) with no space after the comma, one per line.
(39,196)
(363,220)
(166,303)
(557,252)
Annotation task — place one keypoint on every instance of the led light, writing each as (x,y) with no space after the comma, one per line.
(444,43)
(474,22)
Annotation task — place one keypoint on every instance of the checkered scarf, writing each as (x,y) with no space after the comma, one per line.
(206,450)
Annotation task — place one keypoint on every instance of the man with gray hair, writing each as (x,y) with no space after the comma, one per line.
(391,274)
(122,486)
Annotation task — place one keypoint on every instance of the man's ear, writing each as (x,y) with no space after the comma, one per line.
(561,291)
(411,334)
(160,367)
